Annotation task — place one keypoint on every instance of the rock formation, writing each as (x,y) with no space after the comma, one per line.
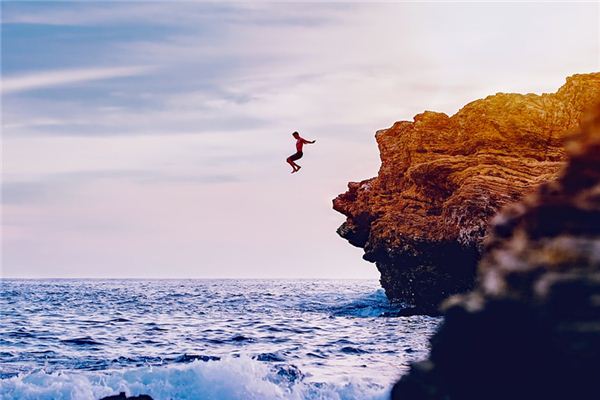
(423,219)
(123,396)
(531,328)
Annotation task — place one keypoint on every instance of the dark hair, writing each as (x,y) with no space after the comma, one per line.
(295,133)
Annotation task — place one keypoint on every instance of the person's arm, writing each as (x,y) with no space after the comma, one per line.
(308,141)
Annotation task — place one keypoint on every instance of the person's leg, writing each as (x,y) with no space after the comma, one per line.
(292,164)
(293,159)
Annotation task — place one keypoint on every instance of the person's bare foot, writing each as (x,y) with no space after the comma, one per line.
(295,170)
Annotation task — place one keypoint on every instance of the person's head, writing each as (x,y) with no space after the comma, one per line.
(296,135)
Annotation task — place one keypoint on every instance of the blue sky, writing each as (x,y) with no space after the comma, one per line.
(148,139)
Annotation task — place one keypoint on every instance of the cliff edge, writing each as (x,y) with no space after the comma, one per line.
(531,327)
(423,219)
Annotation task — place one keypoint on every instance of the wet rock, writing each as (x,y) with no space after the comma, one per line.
(423,219)
(122,396)
(531,327)
(185,358)
(288,374)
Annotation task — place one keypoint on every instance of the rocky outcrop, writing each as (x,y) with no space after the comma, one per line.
(423,219)
(123,396)
(531,328)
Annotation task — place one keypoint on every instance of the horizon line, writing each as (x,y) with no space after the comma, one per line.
(180,278)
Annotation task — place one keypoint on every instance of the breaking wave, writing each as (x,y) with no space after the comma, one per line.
(227,379)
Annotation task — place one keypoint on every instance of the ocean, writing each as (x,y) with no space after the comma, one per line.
(204,339)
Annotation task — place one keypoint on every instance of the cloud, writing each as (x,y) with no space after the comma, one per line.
(22,192)
(22,83)
(164,13)
(256,71)
(58,185)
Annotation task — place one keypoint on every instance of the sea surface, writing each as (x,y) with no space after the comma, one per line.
(204,339)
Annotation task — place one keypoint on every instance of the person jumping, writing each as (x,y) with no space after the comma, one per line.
(300,141)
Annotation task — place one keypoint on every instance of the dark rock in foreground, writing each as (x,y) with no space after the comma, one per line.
(531,328)
(122,396)
(423,219)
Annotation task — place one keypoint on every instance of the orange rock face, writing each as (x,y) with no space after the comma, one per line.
(423,219)
(531,328)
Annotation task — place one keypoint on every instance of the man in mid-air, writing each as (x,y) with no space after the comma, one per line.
(300,141)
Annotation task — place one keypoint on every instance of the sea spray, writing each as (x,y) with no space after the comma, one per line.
(227,379)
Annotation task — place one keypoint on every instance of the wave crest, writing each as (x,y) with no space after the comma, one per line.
(226,379)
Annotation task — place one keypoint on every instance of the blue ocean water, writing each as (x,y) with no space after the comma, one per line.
(204,339)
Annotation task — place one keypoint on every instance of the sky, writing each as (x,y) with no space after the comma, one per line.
(148,139)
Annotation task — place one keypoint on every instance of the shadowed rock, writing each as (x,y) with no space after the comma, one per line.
(531,328)
(122,396)
(423,219)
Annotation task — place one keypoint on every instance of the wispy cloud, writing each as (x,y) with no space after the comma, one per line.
(164,13)
(59,185)
(22,83)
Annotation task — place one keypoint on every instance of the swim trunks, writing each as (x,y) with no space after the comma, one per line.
(296,156)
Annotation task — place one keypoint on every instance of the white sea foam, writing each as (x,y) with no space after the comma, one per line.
(230,378)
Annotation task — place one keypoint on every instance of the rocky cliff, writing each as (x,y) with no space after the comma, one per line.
(423,219)
(531,328)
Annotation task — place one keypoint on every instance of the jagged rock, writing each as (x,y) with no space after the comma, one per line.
(531,328)
(423,219)
(123,396)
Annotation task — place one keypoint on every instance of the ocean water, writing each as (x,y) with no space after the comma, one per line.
(204,339)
